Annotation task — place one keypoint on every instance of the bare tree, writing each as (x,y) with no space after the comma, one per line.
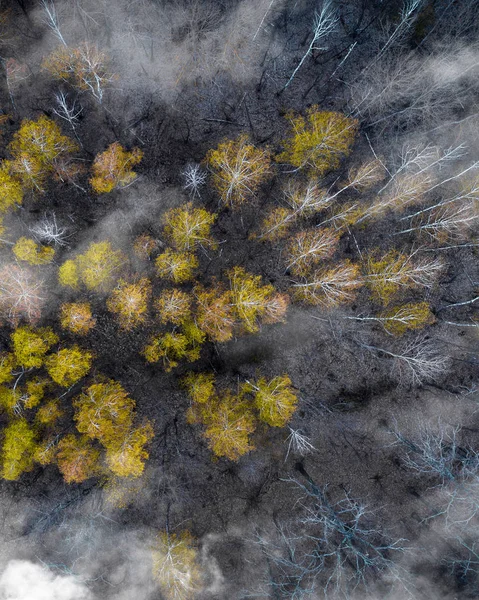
(324,24)
(51,19)
(333,548)
(416,362)
(21,294)
(452,466)
(48,231)
(69,112)
(194,178)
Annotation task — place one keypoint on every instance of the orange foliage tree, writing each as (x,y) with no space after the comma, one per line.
(113,168)
(85,67)
(77,458)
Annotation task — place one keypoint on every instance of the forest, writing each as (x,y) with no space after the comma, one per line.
(239,279)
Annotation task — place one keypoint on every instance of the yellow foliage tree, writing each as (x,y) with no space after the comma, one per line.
(104,411)
(275,400)
(251,300)
(77,317)
(69,365)
(7,364)
(176,266)
(199,386)
(18,449)
(77,458)
(126,455)
(113,168)
(39,149)
(318,141)
(393,271)
(408,317)
(96,268)
(129,302)
(175,566)
(31,345)
(28,250)
(238,170)
(68,274)
(172,347)
(173,306)
(229,422)
(187,227)
(49,413)
(11,193)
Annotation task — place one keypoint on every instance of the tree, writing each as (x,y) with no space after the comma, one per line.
(176,266)
(69,365)
(214,313)
(7,364)
(329,287)
(194,178)
(49,413)
(31,345)
(399,319)
(104,411)
(77,317)
(238,170)
(303,201)
(385,276)
(173,306)
(187,227)
(406,190)
(21,294)
(310,247)
(172,347)
(96,268)
(144,246)
(333,547)
(18,449)
(323,25)
(84,67)
(408,317)
(77,458)
(366,176)
(129,302)
(200,387)
(456,223)
(416,362)
(250,299)
(11,193)
(28,250)
(275,400)
(113,168)
(175,566)
(125,455)
(47,231)
(229,422)
(318,141)
(40,149)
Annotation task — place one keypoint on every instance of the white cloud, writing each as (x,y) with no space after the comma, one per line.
(23,580)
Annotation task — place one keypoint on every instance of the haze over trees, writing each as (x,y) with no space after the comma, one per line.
(238,295)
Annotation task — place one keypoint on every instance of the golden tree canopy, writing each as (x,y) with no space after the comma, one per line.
(318,141)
